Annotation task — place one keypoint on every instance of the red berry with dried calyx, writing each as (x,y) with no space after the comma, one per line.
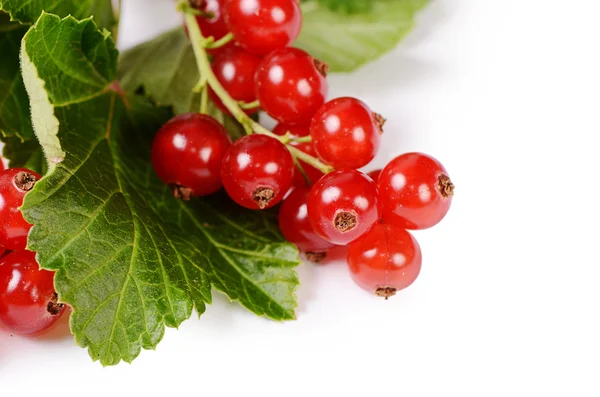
(235,69)
(257,171)
(343,206)
(291,86)
(15,183)
(262,26)
(385,260)
(416,191)
(28,301)
(295,225)
(346,133)
(187,154)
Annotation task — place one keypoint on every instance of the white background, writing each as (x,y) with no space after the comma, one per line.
(506,94)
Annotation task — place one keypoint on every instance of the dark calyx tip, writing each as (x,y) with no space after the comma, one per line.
(182,192)
(446,186)
(54,308)
(263,196)
(316,257)
(25,180)
(385,292)
(322,67)
(380,120)
(345,221)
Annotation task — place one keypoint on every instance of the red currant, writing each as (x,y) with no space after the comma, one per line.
(14,184)
(416,191)
(262,26)
(235,69)
(28,302)
(312,173)
(187,154)
(374,175)
(385,260)
(344,205)
(346,133)
(291,85)
(296,227)
(257,171)
(215,26)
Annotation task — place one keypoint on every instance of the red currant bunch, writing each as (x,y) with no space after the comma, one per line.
(310,161)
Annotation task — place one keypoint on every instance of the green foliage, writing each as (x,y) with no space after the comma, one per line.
(130,258)
(346,41)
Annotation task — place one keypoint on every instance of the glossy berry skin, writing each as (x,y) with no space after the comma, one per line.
(307,147)
(257,171)
(214,27)
(374,175)
(346,133)
(187,154)
(14,184)
(295,224)
(416,191)
(235,69)
(385,260)
(343,206)
(262,26)
(28,302)
(291,86)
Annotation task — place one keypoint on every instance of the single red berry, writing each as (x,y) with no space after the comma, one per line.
(313,173)
(374,175)
(215,25)
(187,154)
(346,133)
(385,260)
(291,85)
(14,184)
(344,205)
(28,302)
(235,69)
(257,171)
(296,227)
(416,191)
(262,26)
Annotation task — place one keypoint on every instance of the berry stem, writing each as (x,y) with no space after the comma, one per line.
(199,45)
(204,100)
(249,105)
(221,42)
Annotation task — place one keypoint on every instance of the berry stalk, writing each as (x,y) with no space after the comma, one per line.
(199,44)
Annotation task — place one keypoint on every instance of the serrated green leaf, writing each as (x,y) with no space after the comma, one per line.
(14,104)
(28,11)
(165,69)
(130,258)
(347,41)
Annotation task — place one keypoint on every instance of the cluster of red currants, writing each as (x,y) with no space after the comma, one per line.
(28,301)
(322,207)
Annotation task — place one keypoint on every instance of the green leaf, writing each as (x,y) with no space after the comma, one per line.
(130,258)
(27,154)
(14,104)
(347,41)
(346,6)
(28,11)
(165,69)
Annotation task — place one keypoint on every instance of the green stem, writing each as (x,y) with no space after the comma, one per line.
(249,105)
(221,42)
(204,100)
(302,139)
(198,45)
